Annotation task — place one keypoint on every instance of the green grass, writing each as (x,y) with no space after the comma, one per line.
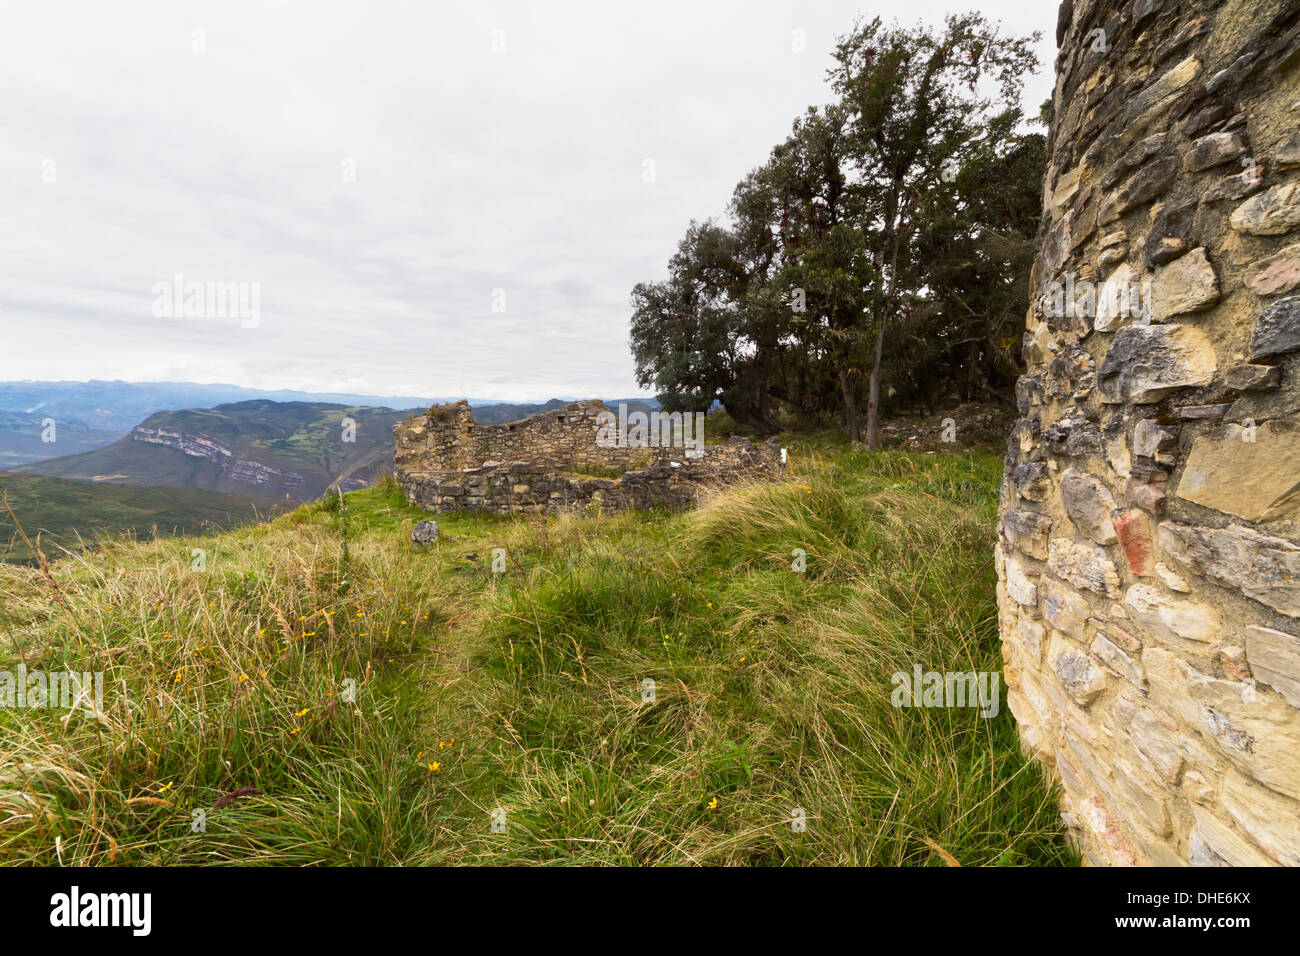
(524,687)
(67,514)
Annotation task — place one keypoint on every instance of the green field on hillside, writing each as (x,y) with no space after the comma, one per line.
(326,694)
(67,513)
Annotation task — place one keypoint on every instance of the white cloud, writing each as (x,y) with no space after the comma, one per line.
(474,170)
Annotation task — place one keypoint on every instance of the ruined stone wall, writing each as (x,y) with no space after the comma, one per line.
(1148,559)
(448,438)
(447,462)
(530,486)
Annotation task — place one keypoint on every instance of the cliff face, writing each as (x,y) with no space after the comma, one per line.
(1149,553)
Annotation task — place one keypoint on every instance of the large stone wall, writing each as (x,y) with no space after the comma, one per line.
(1148,561)
(446,462)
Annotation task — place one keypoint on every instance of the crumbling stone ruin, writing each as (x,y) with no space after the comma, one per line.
(1149,554)
(565,460)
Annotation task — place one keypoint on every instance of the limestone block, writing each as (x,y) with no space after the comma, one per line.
(1088,503)
(1188,284)
(1279,272)
(1252,378)
(1031,635)
(1271,213)
(1214,843)
(1274,658)
(1171,619)
(1083,566)
(1064,609)
(1027,531)
(1262,567)
(1258,480)
(1133,529)
(1105,650)
(1214,150)
(1118,300)
(1277,330)
(1146,363)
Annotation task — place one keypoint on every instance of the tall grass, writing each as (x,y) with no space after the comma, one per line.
(521,695)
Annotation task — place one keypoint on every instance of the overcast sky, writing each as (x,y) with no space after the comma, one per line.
(387,176)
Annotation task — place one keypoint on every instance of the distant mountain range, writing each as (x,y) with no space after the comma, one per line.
(25,437)
(117,407)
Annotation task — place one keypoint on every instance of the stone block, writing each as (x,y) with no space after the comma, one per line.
(1170,619)
(1133,529)
(1277,273)
(1277,330)
(1188,284)
(1146,363)
(1064,609)
(1088,503)
(1271,213)
(1274,658)
(1083,566)
(1257,480)
(1263,567)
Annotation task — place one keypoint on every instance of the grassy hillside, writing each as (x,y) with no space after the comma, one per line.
(523,690)
(303,440)
(64,513)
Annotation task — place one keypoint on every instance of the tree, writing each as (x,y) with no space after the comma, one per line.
(975,244)
(689,339)
(825,273)
(885,243)
(915,106)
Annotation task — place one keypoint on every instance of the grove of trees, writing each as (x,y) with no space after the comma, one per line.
(879,259)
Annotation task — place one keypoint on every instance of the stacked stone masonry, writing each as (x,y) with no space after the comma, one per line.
(447,462)
(1149,542)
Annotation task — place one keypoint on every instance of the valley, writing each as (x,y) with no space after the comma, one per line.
(61,516)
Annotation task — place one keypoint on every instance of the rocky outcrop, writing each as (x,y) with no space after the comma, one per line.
(196,446)
(1149,552)
(243,470)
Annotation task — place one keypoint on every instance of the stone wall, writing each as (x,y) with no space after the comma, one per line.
(447,438)
(1148,559)
(446,462)
(527,486)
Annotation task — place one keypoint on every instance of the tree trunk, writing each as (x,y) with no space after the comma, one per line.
(850,406)
(746,414)
(873,393)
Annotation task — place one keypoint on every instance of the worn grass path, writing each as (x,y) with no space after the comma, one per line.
(384,703)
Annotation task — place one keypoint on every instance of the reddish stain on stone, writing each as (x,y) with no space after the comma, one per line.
(1134,531)
(1148,496)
